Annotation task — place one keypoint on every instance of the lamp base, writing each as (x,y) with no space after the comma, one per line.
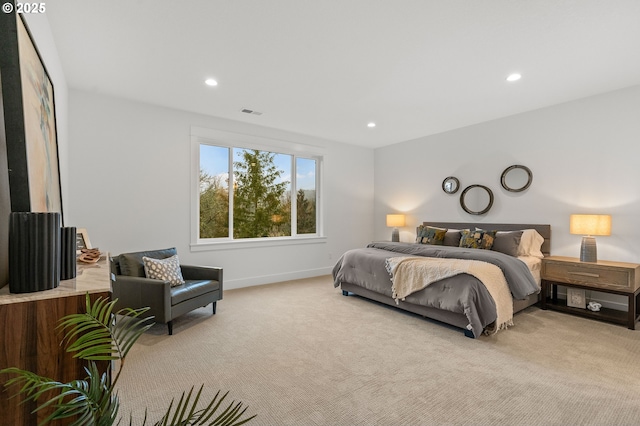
(395,235)
(588,250)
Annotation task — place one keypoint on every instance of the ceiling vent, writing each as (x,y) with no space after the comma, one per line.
(250,111)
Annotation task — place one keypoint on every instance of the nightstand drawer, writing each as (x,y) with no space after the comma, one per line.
(588,276)
(591,275)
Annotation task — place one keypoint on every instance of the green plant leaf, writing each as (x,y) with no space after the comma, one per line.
(92,400)
(186,412)
(100,335)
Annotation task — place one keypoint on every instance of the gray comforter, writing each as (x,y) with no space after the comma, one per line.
(463,294)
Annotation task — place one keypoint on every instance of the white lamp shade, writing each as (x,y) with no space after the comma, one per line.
(395,220)
(590,224)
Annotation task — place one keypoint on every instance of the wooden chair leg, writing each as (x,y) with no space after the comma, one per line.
(214,308)
(170,327)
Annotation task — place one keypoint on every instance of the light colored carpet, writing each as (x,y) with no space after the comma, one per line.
(300,353)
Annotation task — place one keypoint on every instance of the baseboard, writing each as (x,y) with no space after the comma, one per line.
(268,279)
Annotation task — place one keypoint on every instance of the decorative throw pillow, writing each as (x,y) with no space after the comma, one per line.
(479,239)
(507,242)
(430,235)
(164,269)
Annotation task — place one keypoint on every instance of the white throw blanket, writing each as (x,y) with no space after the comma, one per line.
(411,274)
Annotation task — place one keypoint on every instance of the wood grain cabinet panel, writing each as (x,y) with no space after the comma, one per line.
(601,275)
(30,340)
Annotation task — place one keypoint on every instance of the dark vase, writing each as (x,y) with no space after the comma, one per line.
(34,251)
(68,253)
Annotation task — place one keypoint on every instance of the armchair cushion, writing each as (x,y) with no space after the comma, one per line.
(164,269)
(191,289)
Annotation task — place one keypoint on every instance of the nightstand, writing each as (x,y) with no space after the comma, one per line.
(604,276)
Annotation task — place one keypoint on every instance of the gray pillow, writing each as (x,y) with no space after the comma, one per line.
(452,238)
(507,242)
(131,264)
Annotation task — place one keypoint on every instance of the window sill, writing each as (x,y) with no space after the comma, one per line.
(256,243)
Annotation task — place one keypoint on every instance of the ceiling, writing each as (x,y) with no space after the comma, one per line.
(326,68)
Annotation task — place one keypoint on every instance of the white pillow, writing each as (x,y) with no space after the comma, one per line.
(531,243)
(534,264)
(164,269)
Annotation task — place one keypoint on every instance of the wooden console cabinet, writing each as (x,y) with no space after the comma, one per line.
(29,339)
(603,276)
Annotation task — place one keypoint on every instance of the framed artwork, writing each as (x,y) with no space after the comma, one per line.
(32,145)
(576,298)
(82,240)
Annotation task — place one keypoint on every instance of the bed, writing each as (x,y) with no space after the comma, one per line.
(460,299)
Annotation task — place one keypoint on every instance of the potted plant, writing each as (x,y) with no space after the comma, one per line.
(102,335)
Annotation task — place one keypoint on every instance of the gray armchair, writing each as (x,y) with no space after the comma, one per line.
(203,285)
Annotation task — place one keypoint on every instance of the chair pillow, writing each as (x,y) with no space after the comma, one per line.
(164,269)
(479,239)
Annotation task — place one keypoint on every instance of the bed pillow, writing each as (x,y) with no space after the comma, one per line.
(452,238)
(431,235)
(507,242)
(531,244)
(164,269)
(478,239)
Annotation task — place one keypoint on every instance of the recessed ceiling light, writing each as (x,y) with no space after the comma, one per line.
(372,124)
(514,77)
(210,82)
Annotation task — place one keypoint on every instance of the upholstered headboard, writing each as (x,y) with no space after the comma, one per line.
(543,230)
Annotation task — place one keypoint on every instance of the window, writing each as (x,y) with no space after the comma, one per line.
(306,198)
(248,191)
(261,194)
(214,192)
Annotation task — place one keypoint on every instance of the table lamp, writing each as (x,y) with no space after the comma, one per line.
(394,221)
(589,225)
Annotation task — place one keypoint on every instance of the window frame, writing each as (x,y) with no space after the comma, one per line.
(200,135)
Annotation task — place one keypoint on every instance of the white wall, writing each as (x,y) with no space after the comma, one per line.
(130,187)
(584,159)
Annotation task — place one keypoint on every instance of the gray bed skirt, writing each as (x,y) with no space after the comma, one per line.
(451,318)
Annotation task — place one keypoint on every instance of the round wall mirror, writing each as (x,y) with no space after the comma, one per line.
(476,199)
(451,185)
(516,178)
